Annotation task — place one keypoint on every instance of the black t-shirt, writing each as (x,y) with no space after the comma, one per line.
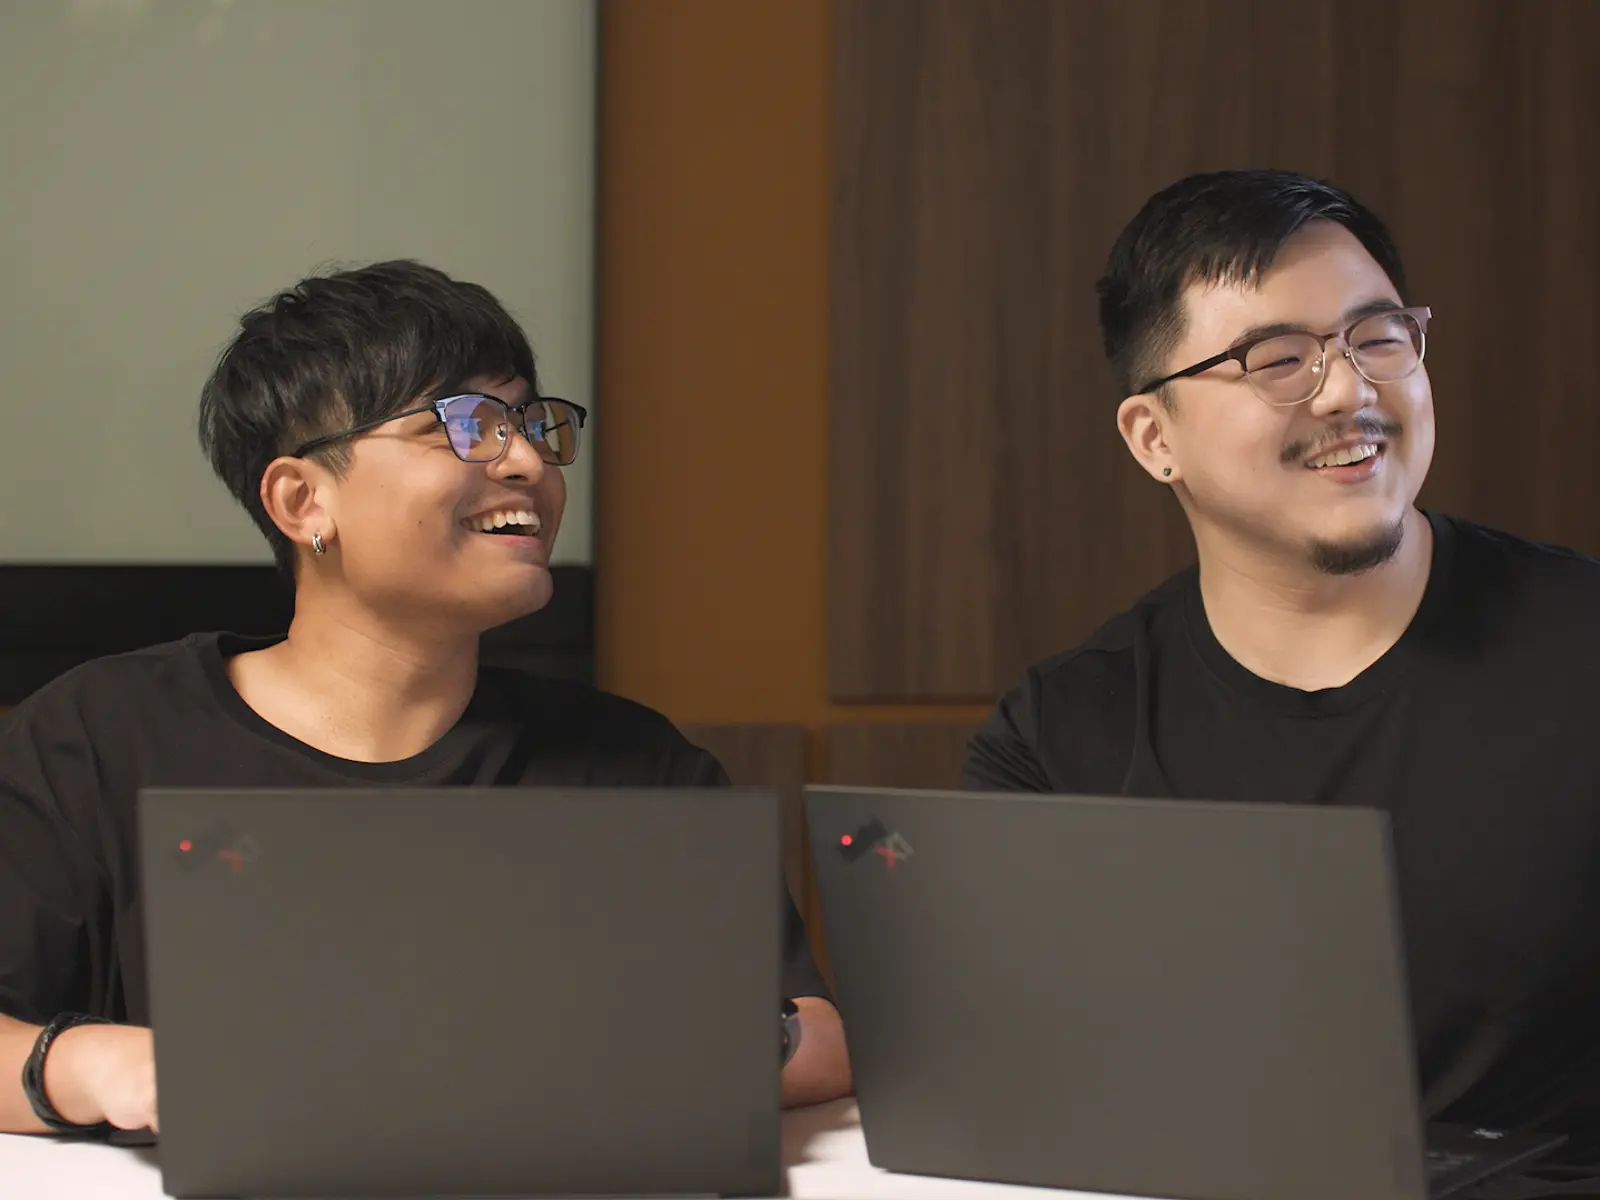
(75,754)
(1476,732)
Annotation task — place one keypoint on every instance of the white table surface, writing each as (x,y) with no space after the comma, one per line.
(824,1157)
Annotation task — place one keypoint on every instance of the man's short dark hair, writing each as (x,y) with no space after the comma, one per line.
(339,350)
(1213,227)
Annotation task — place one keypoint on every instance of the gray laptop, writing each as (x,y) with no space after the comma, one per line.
(1168,999)
(458,992)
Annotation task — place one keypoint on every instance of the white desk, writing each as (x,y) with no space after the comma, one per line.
(824,1156)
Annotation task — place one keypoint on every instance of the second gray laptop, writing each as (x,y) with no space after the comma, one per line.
(465,992)
(1151,998)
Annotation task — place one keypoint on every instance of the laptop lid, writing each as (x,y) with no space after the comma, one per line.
(465,992)
(1140,997)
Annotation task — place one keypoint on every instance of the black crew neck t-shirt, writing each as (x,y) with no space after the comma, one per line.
(75,754)
(1476,732)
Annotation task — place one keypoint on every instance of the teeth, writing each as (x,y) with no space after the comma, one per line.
(1343,458)
(499,520)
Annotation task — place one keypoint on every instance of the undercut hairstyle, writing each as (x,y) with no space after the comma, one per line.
(1217,227)
(340,350)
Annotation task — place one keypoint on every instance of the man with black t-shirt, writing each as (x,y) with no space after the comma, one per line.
(384,429)
(1335,645)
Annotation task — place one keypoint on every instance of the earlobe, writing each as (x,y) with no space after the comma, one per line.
(1142,422)
(294,492)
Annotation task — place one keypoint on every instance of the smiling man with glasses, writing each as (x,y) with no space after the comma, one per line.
(384,429)
(1335,644)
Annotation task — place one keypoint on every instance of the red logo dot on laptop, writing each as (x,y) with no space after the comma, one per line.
(846,840)
(186,845)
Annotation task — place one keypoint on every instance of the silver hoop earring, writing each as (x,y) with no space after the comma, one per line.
(316,544)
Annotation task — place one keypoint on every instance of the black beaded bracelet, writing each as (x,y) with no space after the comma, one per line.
(33,1075)
(791,1030)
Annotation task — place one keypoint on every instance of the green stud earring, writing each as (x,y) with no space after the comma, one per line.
(1166,472)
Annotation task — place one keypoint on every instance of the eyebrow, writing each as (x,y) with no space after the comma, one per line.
(1366,308)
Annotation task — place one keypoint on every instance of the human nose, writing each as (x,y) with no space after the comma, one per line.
(1343,388)
(520,460)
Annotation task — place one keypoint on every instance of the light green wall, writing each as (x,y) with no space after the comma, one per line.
(165,164)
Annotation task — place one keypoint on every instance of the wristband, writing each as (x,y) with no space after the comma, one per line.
(791,1030)
(33,1075)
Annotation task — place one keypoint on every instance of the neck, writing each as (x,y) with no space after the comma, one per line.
(1291,624)
(356,688)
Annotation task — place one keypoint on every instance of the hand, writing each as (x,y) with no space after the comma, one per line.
(820,1068)
(100,1073)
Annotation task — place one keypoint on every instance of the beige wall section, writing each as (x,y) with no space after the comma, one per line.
(713,474)
(170,162)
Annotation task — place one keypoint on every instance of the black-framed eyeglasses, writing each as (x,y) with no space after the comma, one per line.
(479,427)
(1289,367)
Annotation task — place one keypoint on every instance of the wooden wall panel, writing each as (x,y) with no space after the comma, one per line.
(908,756)
(983,511)
(712,374)
(768,756)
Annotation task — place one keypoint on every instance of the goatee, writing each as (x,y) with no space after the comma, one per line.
(1365,554)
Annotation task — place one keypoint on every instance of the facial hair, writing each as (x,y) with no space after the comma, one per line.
(1359,555)
(1377,547)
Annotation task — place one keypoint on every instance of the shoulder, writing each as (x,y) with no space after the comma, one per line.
(623,740)
(1107,663)
(1481,549)
(575,707)
(96,691)
(1536,589)
(1068,721)
(62,743)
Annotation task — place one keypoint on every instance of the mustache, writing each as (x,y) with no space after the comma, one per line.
(1375,429)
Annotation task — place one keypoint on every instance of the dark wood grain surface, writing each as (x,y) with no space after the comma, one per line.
(983,511)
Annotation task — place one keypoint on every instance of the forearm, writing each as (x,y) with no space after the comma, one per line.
(820,1068)
(92,1074)
(64,1076)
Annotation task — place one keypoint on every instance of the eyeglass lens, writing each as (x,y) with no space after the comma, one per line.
(1385,347)
(480,426)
